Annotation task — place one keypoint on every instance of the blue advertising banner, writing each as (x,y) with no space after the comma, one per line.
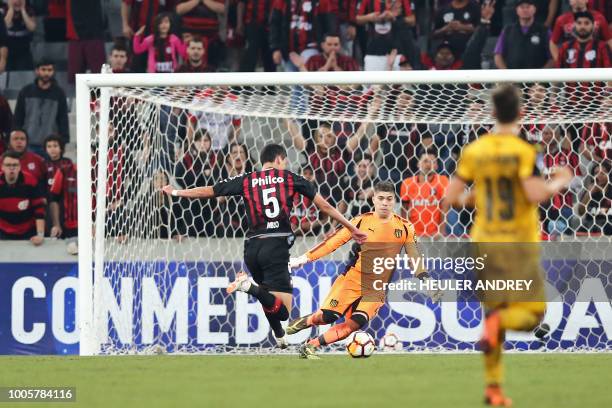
(184,305)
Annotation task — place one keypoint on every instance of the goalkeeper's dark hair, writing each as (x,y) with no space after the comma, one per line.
(271,152)
(384,187)
(507,103)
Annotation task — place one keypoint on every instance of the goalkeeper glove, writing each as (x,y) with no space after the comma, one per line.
(297,262)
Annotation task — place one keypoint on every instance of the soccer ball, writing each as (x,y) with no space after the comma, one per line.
(360,344)
(390,342)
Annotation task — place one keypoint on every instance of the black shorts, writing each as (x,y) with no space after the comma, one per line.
(267,260)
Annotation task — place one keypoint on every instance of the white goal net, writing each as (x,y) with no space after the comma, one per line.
(153,268)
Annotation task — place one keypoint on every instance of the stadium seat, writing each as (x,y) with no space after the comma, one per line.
(18,79)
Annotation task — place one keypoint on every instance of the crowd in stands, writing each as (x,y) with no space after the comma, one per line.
(38,184)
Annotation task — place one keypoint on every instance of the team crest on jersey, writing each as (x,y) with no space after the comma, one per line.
(31,166)
(398,233)
(333,303)
(571,56)
(535,39)
(590,55)
(23,205)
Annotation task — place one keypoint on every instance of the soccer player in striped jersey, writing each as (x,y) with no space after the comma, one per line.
(268,196)
(357,294)
(507,189)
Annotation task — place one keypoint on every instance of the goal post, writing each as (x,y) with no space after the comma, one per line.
(152,268)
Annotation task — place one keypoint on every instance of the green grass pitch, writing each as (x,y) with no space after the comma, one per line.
(267,381)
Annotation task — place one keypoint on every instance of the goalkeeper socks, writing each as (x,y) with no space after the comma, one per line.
(335,333)
(493,366)
(518,318)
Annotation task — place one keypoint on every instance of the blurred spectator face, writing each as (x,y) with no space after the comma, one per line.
(11,168)
(111,132)
(548,135)
(537,94)
(427,164)
(244,156)
(186,37)
(308,174)
(164,26)
(54,150)
(331,44)
(405,66)
(566,143)
(525,11)
(235,157)
(584,28)
(17,4)
(325,138)
(578,5)
(44,73)
(363,168)
(118,59)
(203,144)
(195,51)
(427,141)
(601,176)
(444,57)
(18,141)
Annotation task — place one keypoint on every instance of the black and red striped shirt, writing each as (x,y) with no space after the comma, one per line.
(590,54)
(257,11)
(347,11)
(63,190)
(21,204)
(599,137)
(269,196)
(142,13)
(51,167)
(562,158)
(296,25)
(202,20)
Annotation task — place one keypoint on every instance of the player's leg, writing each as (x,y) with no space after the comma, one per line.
(491,345)
(334,306)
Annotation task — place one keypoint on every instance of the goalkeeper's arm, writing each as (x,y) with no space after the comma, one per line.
(340,237)
(196,192)
(330,210)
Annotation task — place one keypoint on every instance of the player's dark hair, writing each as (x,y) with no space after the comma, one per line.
(507,103)
(55,138)
(271,152)
(430,151)
(19,130)
(384,187)
(10,154)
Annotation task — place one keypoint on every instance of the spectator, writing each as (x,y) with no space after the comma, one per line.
(253,16)
(306,218)
(196,56)
(559,153)
(584,51)
(596,143)
(523,44)
(223,129)
(604,7)
(347,20)
(565,29)
(3,46)
(361,188)
(298,27)
(22,204)
(30,162)
(421,197)
(85,34)
(41,108)
(456,22)
(448,57)
(202,17)
(162,47)
(20,23)
(596,203)
(230,215)
(546,12)
(165,219)
(55,21)
(386,23)
(118,59)
(6,118)
(331,59)
(197,168)
(63,204)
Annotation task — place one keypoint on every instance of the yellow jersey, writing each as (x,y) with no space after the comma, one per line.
(496,164)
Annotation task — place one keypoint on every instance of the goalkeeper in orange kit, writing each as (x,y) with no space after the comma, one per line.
(354,294)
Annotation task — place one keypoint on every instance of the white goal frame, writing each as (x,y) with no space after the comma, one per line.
(86,82)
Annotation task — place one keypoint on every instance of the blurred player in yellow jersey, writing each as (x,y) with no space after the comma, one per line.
(507,188)
(354,294)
